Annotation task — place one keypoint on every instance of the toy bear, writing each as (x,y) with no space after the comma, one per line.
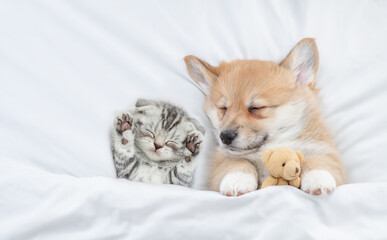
(284,166)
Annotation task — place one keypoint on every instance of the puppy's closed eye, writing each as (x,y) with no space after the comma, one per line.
(252,109)
(222,111)
(256,111)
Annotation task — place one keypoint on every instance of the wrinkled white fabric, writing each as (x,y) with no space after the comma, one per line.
(66,68)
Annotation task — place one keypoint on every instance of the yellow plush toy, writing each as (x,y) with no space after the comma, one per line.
(284,166)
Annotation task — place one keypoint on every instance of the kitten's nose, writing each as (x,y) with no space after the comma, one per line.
(157,146)
(228,136)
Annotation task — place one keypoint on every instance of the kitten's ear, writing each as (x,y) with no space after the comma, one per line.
(303,62)
(145,102)
(197,125)
(143,105)
(201,72)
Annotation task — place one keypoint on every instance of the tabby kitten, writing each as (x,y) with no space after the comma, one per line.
(156,143)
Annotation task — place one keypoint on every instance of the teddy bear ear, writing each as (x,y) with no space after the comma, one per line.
(300,156)
(266,156)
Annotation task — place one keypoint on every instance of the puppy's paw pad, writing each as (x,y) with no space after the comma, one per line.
(238,183)
(318,182)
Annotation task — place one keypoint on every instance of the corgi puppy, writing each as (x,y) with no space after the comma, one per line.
(258,105)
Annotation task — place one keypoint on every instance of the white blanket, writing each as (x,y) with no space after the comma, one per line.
(66,68)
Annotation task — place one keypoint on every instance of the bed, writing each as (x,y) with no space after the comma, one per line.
(67,67)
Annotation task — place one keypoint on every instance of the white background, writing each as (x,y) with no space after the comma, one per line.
(66,68)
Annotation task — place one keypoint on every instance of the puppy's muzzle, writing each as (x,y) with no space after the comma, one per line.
(228,136)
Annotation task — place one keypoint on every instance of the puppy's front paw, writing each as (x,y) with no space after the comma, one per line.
(318,182)
(238,183)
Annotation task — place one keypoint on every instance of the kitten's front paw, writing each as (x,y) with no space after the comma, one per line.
(124,122)
(192,143)
(318,182)
(238,183)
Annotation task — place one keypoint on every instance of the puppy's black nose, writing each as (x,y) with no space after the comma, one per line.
(228,136)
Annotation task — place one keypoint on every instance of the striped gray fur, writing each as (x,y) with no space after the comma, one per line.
(157,142)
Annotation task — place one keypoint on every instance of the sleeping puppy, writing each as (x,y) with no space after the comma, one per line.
(258,105)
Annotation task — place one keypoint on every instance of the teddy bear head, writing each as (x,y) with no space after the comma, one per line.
(283,162)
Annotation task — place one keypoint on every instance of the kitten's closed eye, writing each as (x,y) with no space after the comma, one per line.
(173,144)
(149,133)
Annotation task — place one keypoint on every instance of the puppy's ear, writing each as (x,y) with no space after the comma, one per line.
(201,72)
(303,62)
(266,156)
(300,156)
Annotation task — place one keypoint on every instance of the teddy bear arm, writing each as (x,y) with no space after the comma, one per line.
(269,181)
(296,182)
(282,181)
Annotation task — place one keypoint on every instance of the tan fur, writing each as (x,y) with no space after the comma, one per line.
(272,85)
(222,165)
